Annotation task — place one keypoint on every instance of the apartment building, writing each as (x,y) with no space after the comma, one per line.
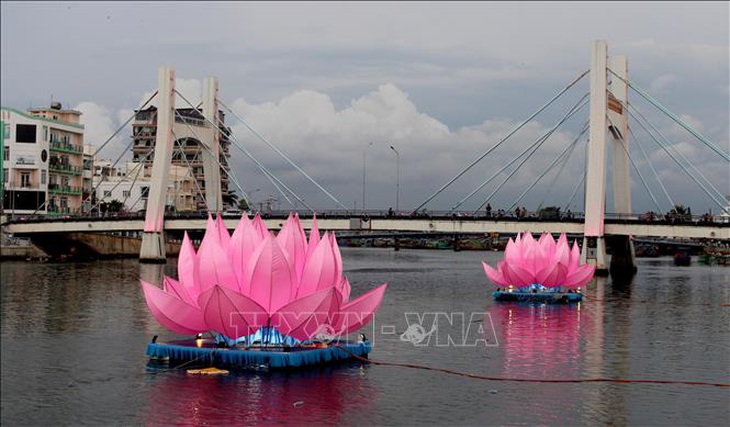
(188,152)
(42,161)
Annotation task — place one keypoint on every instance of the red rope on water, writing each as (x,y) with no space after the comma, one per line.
(535,380)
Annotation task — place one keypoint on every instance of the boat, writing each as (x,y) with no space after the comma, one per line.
(682,259)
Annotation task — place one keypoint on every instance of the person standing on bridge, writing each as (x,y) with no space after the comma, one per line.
(489,210)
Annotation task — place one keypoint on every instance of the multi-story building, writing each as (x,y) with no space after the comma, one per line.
(188,151)
(43,160)
(131,187)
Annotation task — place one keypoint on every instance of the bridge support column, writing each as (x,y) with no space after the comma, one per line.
(153,239)
(594,245)
(623,257)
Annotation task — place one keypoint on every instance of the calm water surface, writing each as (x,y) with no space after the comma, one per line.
(74,337)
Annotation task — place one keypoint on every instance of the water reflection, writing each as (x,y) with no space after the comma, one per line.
(326,396)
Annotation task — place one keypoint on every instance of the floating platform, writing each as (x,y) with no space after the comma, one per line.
(541,297)
(206,352)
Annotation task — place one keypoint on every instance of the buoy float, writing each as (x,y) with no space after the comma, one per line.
(208,371)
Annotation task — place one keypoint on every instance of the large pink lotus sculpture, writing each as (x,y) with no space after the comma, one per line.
(238,284)
(542,262)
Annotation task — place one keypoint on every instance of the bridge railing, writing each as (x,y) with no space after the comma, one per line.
(577,217)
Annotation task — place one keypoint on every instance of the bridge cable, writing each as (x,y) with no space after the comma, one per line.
(103,177)
(139,169)
(564,156)
(562,166)
(622,143)
(578,186)
(189,166)
(679,153)
(532,147)
(134,114)
(285,157)
(676,119)
(235,181)
(669,152)
(512,132)
(575,109)
(272,179)
(270,176)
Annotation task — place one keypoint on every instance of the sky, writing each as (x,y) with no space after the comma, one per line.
(335,85)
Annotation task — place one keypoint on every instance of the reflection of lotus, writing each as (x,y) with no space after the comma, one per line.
(236,285)
(545,262)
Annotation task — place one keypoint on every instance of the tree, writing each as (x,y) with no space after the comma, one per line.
(243,205)
(115,206)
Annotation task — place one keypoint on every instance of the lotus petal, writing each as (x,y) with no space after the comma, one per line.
(319,272)
(271,276)
(359,311)
(494,275)
(173,287)
(579,277)
(223,236)
(173,313)
(187,266)
(214,267)
(302,318)
(545,261)
(230,313)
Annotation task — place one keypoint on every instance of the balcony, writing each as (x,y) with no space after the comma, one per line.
(65,169)
(65,147)
(64,189)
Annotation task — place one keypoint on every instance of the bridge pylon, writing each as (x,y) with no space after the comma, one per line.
(153,239)
(608,113)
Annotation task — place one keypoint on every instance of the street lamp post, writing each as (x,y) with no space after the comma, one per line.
(397,179)
(364,167)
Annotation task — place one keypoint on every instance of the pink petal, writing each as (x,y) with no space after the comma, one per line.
(304,317)
(345,289)
(173,287)
(358,312)
(272,279)
(230,313)
(579,277)
(187,266)
(517,275)
(494,275)
(223,236)
(214,267)
(553,276)
(319,272)
(173,313)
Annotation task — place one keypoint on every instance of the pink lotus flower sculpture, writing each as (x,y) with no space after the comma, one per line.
(237,284)
(543,262)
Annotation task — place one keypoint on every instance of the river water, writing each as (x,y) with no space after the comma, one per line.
(74,337)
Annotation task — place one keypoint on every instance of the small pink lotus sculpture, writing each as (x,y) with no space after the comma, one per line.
(237,284)
(544,262)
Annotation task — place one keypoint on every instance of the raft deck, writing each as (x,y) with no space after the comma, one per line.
(206,352)
(541,297)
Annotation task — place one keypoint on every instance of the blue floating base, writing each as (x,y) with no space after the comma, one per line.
(541,297)
(206,352)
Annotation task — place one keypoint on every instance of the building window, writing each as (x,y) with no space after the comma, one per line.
(6,153)
(45,133)
(25,180)
(107,193)
(7,131)
(125,193)
(145,192)
(43,177)
(64,203)
(5,175)
(25,133)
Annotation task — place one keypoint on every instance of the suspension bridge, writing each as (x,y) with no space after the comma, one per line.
(607,128)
